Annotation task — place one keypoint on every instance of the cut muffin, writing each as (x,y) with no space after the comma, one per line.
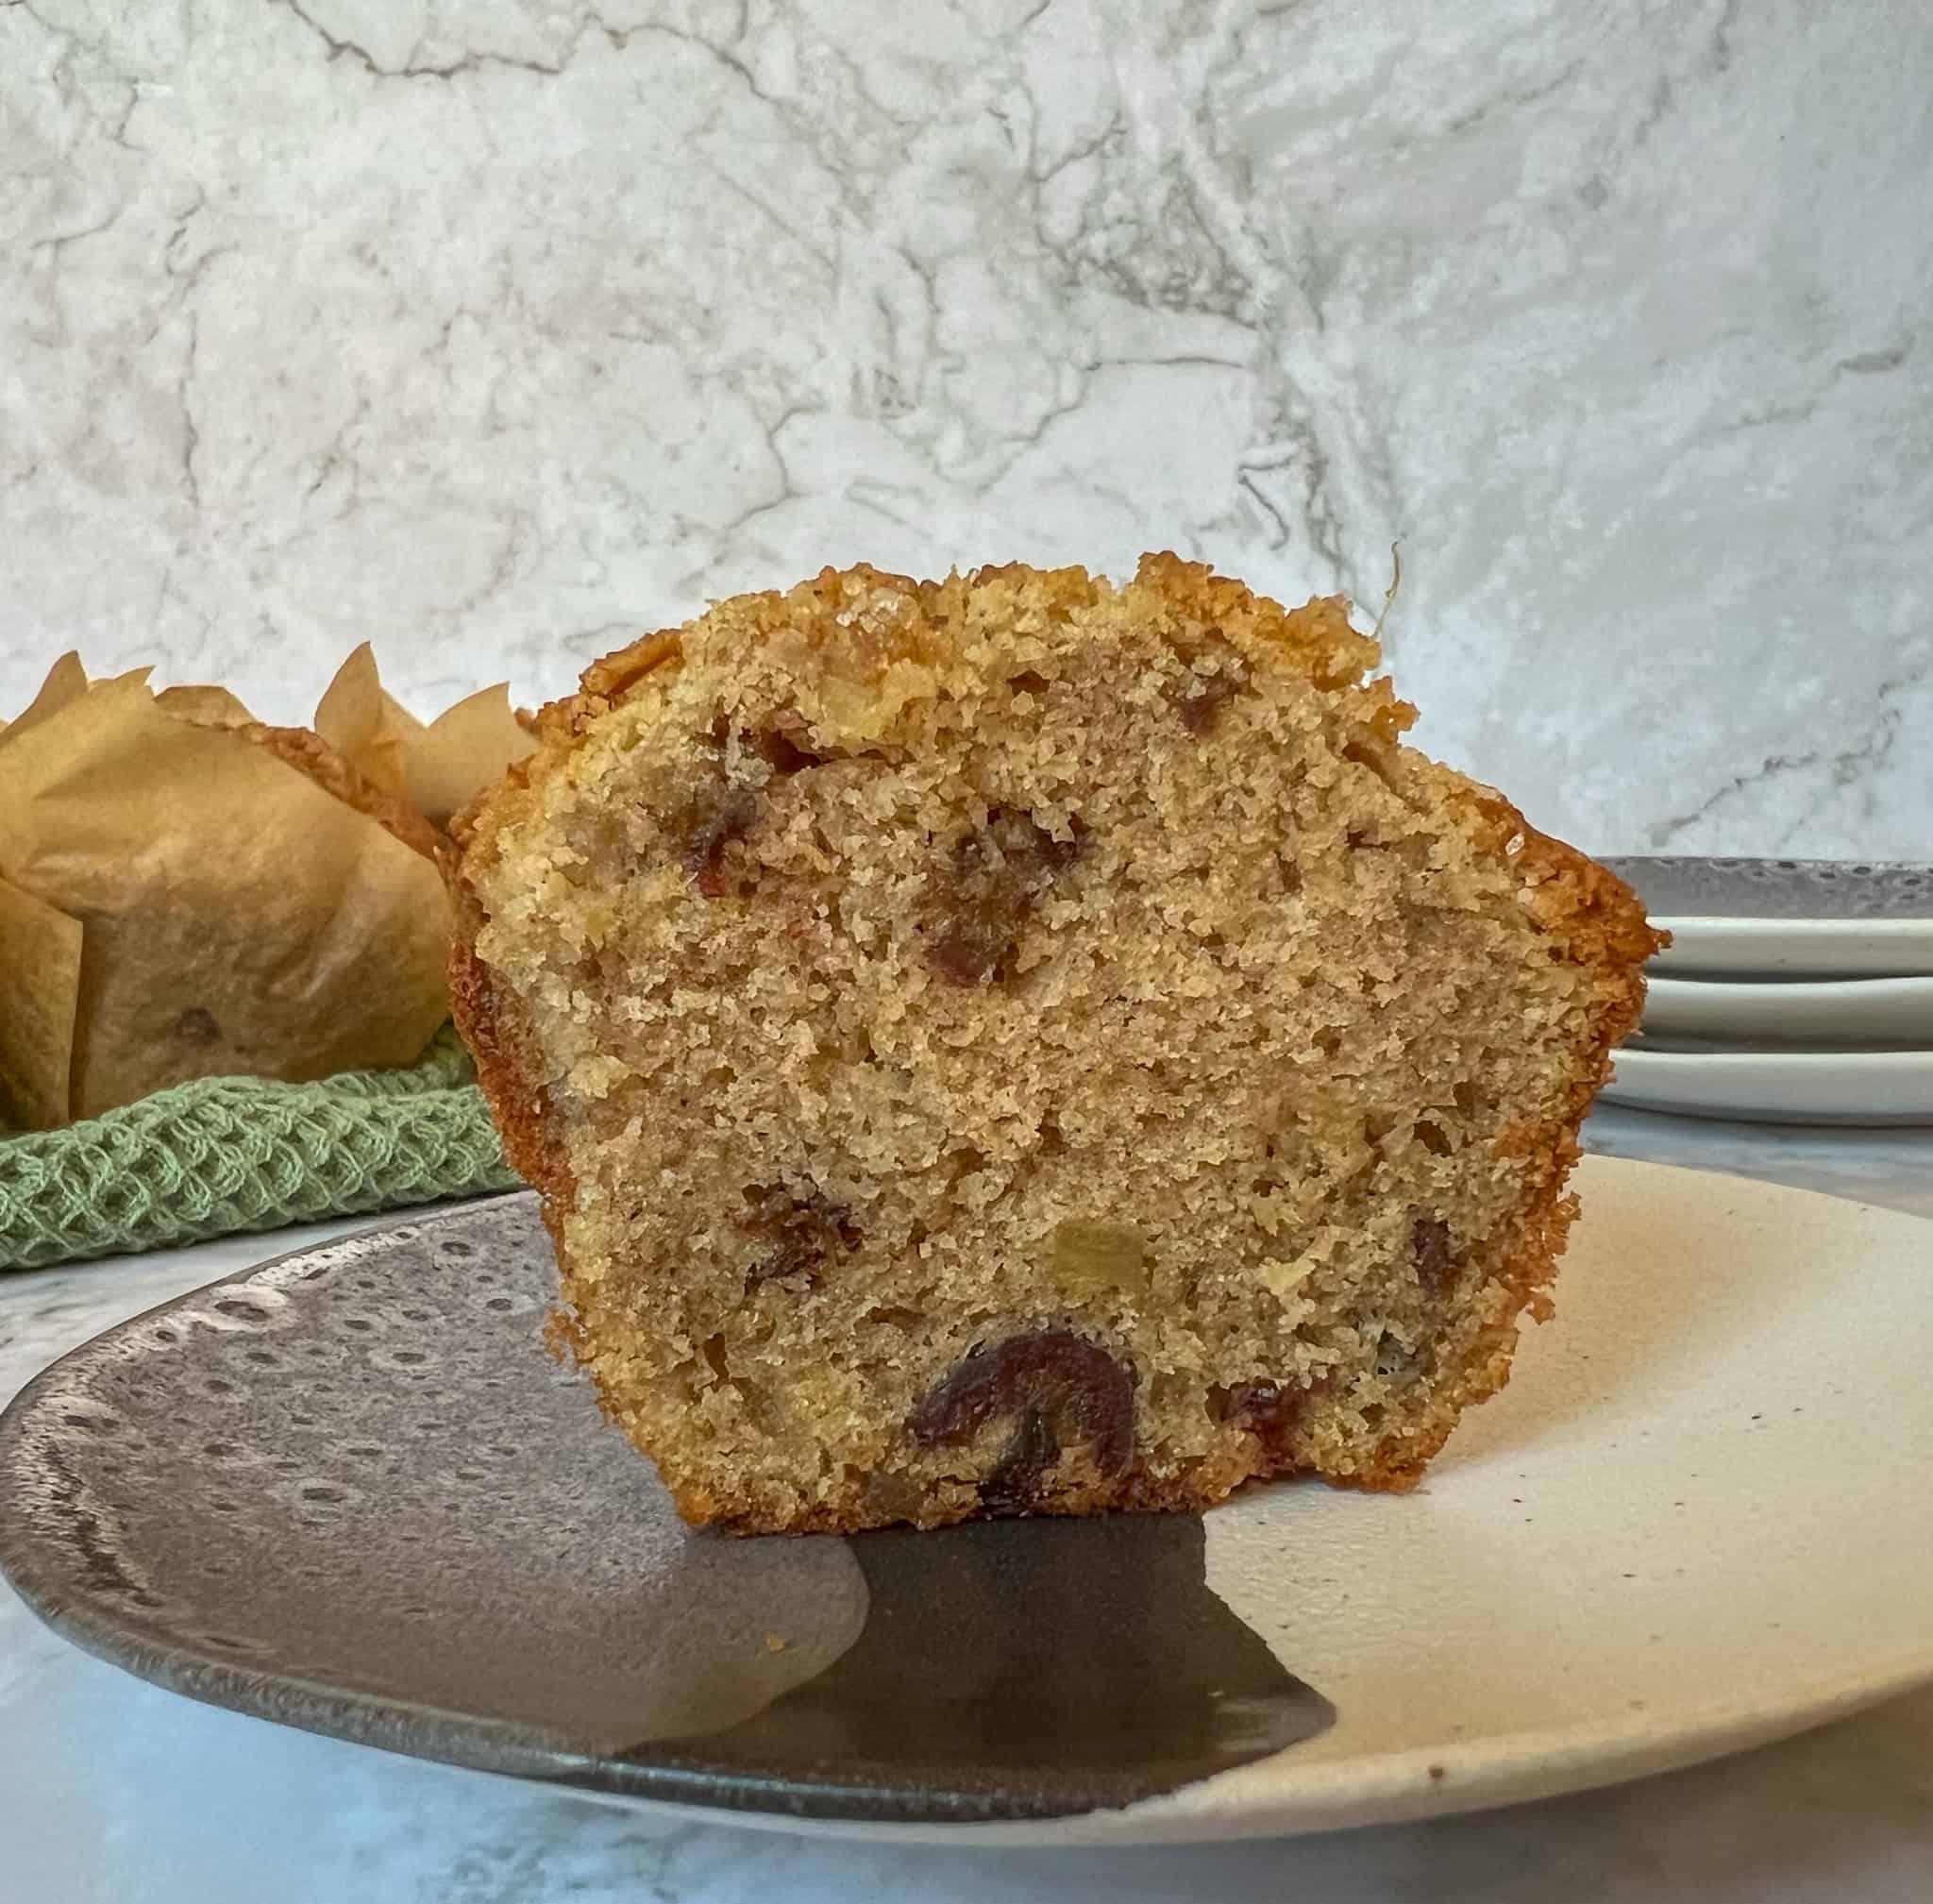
(1019,1044)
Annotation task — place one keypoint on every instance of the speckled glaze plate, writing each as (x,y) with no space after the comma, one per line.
(351,1491)
(1787,918)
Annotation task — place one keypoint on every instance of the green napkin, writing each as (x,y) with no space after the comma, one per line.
(223,1155)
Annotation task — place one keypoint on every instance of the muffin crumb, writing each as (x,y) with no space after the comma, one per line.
(1020,1044)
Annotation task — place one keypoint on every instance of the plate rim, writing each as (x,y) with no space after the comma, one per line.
(1633,870)
(1668,1081)
(1805,951)
(1803,991)
(1443,1780)
(1790,1015)
(1727,1063)
(1745,925)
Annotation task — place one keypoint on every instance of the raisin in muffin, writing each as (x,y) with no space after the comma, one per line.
(1023,1044)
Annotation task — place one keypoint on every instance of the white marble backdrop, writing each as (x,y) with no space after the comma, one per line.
(490,328)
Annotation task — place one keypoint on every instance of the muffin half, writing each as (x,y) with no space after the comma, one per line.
(1020,1044)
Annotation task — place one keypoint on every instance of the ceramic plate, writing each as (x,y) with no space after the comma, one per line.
(1885,1014)
(1787,919)
(1778,1087)
(351,1491)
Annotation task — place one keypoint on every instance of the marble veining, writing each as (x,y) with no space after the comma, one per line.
(489,329)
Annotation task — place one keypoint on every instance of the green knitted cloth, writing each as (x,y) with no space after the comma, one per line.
(222,1154)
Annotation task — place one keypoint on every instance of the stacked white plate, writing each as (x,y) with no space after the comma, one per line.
(1794,991)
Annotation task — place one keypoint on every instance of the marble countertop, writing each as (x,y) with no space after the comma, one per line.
(114,1789)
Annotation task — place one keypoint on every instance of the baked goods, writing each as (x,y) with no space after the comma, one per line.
(1019,1044)
(187,892)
